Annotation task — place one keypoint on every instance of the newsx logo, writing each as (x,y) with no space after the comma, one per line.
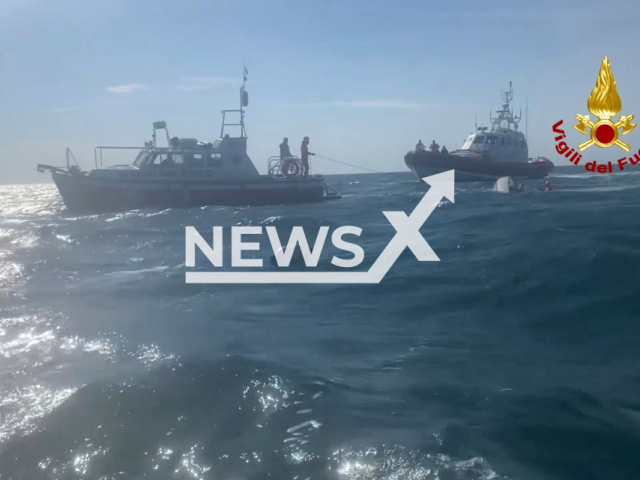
(407,236)
(282,255)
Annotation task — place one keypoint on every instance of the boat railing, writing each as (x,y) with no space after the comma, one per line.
(69,157)
(73,169)
(97,152)
(285,167)
(239,123)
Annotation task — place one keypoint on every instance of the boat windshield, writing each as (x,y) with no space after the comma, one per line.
(478,140)
(140,158)
(467,142)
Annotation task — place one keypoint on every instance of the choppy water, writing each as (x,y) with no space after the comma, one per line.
(515,357)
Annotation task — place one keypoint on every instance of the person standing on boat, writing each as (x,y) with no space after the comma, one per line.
(434,147)
(304,155)
(419,146)
(284,149)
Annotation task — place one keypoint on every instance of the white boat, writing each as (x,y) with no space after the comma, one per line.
(485,155)
(187,173)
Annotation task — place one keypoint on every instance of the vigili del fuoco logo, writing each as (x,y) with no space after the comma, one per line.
(604,103)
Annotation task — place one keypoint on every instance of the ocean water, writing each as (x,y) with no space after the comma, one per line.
(517,356)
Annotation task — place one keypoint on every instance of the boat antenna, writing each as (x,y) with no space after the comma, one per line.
(476,122)
(244,98)
(526,121)
(244,101)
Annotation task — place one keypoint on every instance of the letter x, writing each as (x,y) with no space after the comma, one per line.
(408,234)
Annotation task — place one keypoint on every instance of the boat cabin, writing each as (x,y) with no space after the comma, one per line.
(224,159)
(226,156)
(503,142)
(507,145)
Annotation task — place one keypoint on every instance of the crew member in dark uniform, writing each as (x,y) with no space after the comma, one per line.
(304,155)
(284,149)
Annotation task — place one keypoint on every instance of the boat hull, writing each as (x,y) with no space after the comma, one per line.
(424,164)
(81,193)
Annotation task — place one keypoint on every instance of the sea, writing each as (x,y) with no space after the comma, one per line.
(516,356)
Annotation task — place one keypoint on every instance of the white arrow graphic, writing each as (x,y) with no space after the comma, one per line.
(407,236)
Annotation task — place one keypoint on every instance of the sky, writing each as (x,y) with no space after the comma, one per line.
(364,79)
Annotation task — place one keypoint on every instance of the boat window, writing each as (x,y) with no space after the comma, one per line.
(522,143)
(152,160)
(478,140)
(140,158)
(508,141)
(492,140)
(213,160)
(168,159)
(502,141)
(193,160)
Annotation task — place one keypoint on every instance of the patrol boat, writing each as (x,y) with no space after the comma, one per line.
(187,173)
(486,155)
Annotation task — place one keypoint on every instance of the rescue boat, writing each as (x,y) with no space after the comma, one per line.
(485,155)
(186,173)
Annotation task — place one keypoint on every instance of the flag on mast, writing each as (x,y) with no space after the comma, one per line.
(246,72)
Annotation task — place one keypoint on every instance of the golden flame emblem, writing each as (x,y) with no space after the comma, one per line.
(604,102)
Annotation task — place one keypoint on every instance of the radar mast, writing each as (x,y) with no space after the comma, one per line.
(505,120)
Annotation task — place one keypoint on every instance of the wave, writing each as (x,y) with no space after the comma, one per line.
(227,419)
(514,356)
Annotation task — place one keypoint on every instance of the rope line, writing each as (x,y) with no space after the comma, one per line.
(349,164)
